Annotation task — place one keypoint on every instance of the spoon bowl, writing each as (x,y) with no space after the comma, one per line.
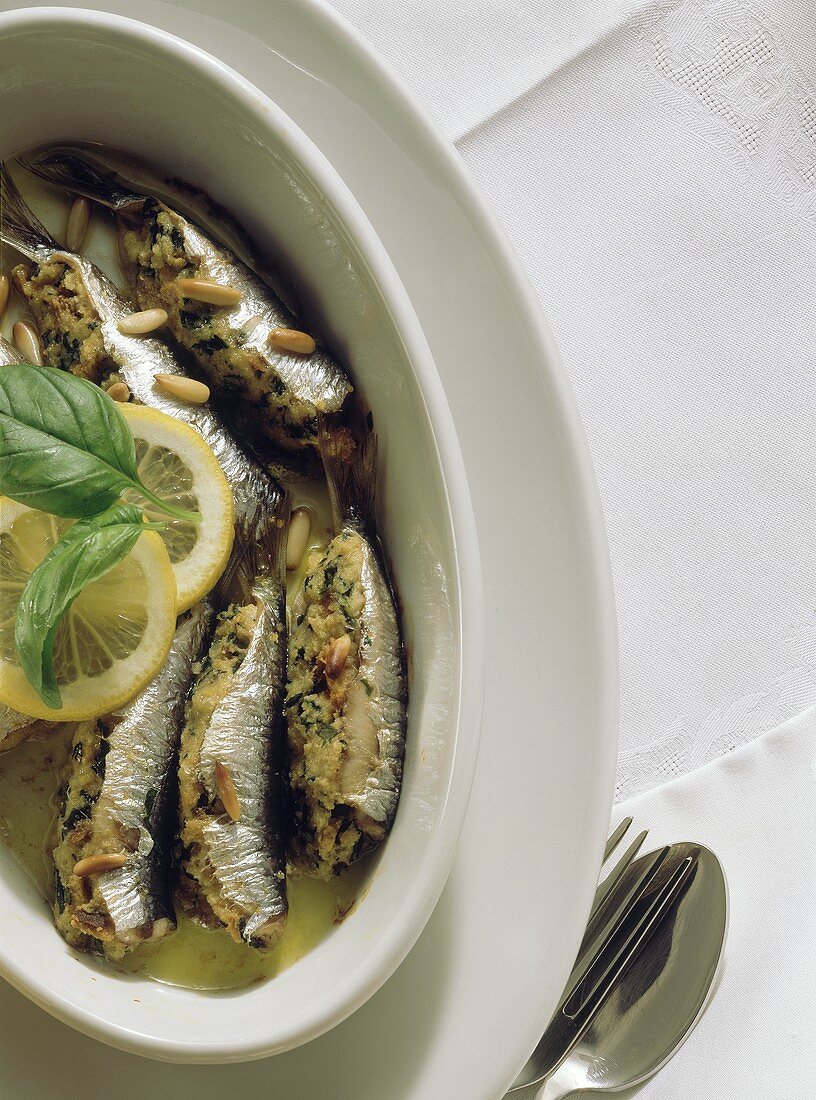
(661,996)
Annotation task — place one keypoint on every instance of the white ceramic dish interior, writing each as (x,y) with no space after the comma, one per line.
(68,74)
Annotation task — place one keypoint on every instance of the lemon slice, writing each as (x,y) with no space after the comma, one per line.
(116,635)
(175,463)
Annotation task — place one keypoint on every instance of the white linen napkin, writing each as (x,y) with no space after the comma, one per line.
(467,59)
(756,808)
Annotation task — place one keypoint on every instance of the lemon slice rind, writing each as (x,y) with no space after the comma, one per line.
(91,696)
(197,572)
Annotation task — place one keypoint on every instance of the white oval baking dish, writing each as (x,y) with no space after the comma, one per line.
(69,74)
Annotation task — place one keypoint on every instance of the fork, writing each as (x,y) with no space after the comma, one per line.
(619,924)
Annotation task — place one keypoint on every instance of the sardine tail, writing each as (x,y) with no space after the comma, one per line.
(66,169)
(19,226)
(260,545)
(351,474)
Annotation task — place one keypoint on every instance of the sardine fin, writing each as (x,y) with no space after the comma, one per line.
(19,226)
(352,477)
(260,546)
(77,174)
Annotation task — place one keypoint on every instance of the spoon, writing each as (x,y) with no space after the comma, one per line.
(659,999)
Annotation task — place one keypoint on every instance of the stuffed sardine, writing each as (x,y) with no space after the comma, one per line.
(114,831)
(244,340)
(232,751)
(346,695)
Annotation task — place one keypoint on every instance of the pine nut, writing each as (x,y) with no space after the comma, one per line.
(185,389)
(5,290)
(251,323)
(146,320)
(214,294)
(79,218)
(95,865)
(226,791)
(300,527)
(27,342)
(337,655)
(119,391)
(290,339)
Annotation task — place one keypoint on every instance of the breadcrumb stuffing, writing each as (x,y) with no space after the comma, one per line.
(156,248)
(65,318)
(231,640)
(80,912)
(329,831)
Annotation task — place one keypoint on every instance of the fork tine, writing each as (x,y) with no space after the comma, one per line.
(606,887)
(593,979)
(616,837)
(596,940)
(597,981)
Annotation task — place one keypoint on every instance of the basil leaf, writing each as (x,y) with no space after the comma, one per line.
(86,552)
(65,447)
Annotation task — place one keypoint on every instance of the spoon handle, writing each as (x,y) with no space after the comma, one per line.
(561,1083)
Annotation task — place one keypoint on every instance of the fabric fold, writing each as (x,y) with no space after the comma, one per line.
(756,808)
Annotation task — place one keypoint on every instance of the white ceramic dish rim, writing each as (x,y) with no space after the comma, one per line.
(428,885)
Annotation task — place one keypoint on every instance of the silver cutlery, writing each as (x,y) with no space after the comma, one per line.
(643,974)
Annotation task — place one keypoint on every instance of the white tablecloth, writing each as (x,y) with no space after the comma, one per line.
(655,167)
